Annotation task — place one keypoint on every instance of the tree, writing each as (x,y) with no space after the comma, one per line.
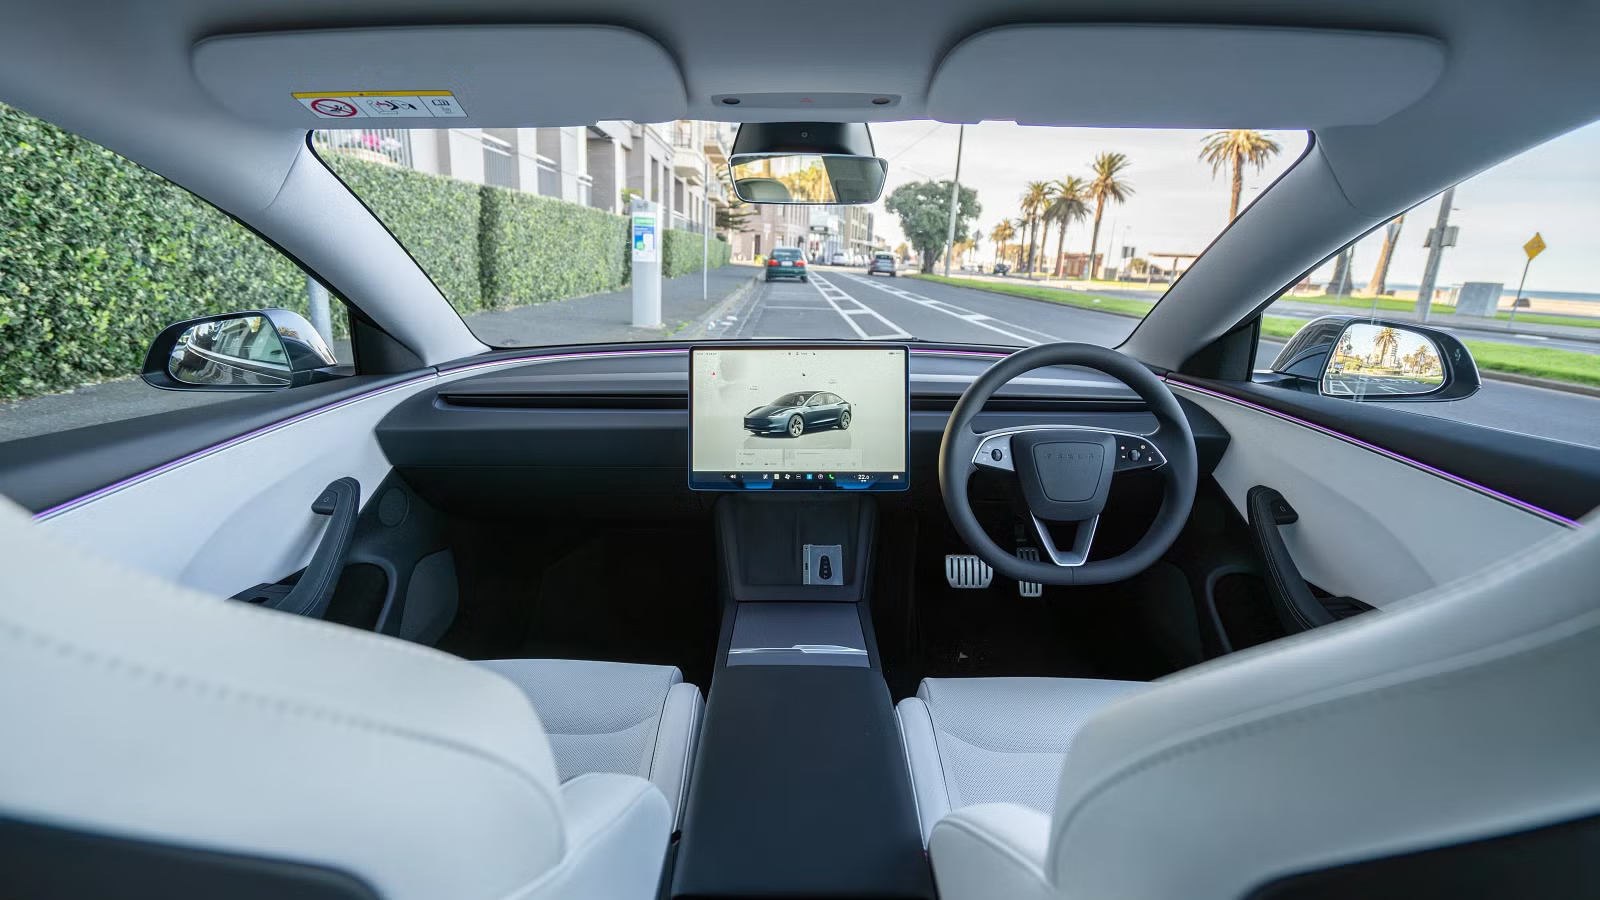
(1020,225)
(1000,235)
(1034,200)
(1339,284)
(1379,284)
(1386,349)
(1225,149)
(902,252)
(1105,186)
(924,211)
(1067,205)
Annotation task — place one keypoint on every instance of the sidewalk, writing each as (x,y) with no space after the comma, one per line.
(604,318)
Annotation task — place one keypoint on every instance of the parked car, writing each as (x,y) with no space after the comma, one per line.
(786,262)
(838,259)
(883,264)
(795,414)
(1001,268)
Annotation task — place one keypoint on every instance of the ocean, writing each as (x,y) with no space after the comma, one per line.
(1510,291)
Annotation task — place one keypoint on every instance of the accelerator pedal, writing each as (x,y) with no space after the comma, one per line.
(966,572)
(1029,588)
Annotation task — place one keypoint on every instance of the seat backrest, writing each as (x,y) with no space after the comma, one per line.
(1463,718)
(253,746)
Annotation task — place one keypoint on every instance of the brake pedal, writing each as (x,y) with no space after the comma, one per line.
(1029,588)
(967,572)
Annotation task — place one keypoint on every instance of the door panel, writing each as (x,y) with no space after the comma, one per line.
(1370,526)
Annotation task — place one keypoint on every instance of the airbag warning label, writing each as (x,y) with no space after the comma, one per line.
(381,104)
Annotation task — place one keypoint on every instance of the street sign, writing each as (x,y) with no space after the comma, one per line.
(1534,247)
(644,237)
(1450,232)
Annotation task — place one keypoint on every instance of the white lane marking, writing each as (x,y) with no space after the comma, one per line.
(831,293)
(971,317)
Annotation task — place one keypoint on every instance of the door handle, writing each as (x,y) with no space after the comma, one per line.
(340,501)
(1297,608)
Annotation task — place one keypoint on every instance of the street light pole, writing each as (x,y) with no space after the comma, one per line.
(1430,271)
(955,197)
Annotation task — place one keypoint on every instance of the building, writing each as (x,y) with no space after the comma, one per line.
(773,226)
(840,229)
(602,165)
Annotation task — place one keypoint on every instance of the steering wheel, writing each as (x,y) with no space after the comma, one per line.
(1066,470)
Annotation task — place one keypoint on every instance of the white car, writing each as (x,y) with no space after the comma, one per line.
(496,594)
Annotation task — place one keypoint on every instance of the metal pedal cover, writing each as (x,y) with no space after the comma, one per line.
(967,572)
(1029,588)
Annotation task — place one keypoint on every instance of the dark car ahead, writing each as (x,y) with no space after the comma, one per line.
(795,414)
(883,264)
(786,262)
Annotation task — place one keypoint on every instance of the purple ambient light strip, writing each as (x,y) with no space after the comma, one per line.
(1466,483)
(265,429)
(458,370)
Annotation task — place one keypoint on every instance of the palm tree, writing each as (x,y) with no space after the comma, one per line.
(975,240)
(1068,204)
(999,235)
(1223,149)
(1105,186)
(1379,284)
(1033,202)
(1339,284)
(1020,225)
(1386,347)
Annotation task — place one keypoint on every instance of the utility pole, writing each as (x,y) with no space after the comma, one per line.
(955,198)
(1436,242)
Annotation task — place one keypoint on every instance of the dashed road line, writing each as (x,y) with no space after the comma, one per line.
(836,298)
(966,315)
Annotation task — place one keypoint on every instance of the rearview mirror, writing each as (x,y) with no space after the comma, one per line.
(807,178)
(805,163)
(1373,359)
(263,350)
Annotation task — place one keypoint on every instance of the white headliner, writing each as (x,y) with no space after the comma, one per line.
(1517,72)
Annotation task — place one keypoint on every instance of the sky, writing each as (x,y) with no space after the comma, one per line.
(1179,207)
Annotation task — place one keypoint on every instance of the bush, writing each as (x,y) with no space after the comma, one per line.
(682,251)
(97,255)
(538,249)
(434,216)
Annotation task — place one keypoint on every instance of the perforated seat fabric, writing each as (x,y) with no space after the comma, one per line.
(625,718)
(996,740)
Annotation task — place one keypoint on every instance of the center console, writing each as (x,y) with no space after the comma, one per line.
(800,786)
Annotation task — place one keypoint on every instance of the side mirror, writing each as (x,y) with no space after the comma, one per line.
(262,350)
(1372,359)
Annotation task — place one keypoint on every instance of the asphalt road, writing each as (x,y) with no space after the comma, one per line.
(845,304)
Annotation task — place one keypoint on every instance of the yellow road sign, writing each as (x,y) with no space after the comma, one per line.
(1534,247)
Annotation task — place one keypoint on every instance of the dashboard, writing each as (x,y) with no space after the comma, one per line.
(574,428)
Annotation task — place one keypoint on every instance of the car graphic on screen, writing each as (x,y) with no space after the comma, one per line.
(800,412)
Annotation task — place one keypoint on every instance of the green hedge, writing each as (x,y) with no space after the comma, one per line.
(435,217)
(683,250)
(97,255)
(538,249)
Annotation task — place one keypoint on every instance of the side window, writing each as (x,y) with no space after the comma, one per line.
(1506,259)
(97,256)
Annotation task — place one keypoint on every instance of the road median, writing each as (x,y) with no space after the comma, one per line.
(1562,370)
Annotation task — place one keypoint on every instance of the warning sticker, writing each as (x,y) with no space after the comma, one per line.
(381,104)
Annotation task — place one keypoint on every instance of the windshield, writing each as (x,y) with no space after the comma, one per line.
(536,235)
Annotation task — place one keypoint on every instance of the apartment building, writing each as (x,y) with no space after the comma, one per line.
(674,164)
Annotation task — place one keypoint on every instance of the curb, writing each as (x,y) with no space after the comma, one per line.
(1548,384)
(1103,312)
(702,324)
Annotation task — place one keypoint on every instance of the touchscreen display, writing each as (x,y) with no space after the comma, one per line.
(790,417)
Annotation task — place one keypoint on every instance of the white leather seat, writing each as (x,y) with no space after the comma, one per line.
(995,740)
(138,712)
(1464,718)
(623,718)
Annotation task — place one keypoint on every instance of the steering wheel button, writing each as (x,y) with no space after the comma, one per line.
(997,454)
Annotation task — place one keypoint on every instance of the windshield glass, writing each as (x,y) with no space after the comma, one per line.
(535,235)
